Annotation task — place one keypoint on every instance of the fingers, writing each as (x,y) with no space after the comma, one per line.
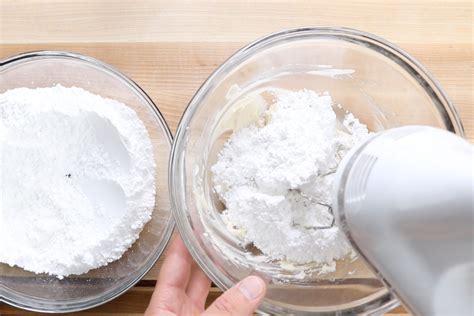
(176,268)
(182,288)
(242,299)
(198,287)
(169,294)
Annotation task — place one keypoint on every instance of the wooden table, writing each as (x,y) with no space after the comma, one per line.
(170,47)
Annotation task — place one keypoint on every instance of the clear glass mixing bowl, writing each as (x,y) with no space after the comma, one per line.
(49,294)
(379,83)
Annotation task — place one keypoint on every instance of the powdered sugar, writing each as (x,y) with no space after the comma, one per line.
(269,175)
(77,179)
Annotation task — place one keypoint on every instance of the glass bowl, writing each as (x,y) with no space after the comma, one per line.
(379,83)
(39,292)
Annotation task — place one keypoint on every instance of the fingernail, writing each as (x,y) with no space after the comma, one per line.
(251,287)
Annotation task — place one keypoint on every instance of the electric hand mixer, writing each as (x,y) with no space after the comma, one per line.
(405,201)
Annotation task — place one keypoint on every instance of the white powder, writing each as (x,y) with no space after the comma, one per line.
(77,179)
(266,172)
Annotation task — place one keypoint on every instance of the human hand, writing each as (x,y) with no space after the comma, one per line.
(182,289)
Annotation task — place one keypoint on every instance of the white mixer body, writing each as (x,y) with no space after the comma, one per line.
(405,201)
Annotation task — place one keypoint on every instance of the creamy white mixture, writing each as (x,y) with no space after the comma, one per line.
(77,179)
(271,174)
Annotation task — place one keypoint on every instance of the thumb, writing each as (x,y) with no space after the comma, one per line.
(242,299)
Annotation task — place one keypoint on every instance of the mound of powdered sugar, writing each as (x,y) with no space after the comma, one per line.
(270,174)
(77,179)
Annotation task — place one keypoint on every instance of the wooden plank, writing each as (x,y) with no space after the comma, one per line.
(223,21)
(172,72)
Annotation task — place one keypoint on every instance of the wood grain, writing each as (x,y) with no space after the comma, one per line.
(223,21)
(170,47)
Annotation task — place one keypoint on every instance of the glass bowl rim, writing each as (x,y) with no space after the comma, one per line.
(46,306)
(176,179)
